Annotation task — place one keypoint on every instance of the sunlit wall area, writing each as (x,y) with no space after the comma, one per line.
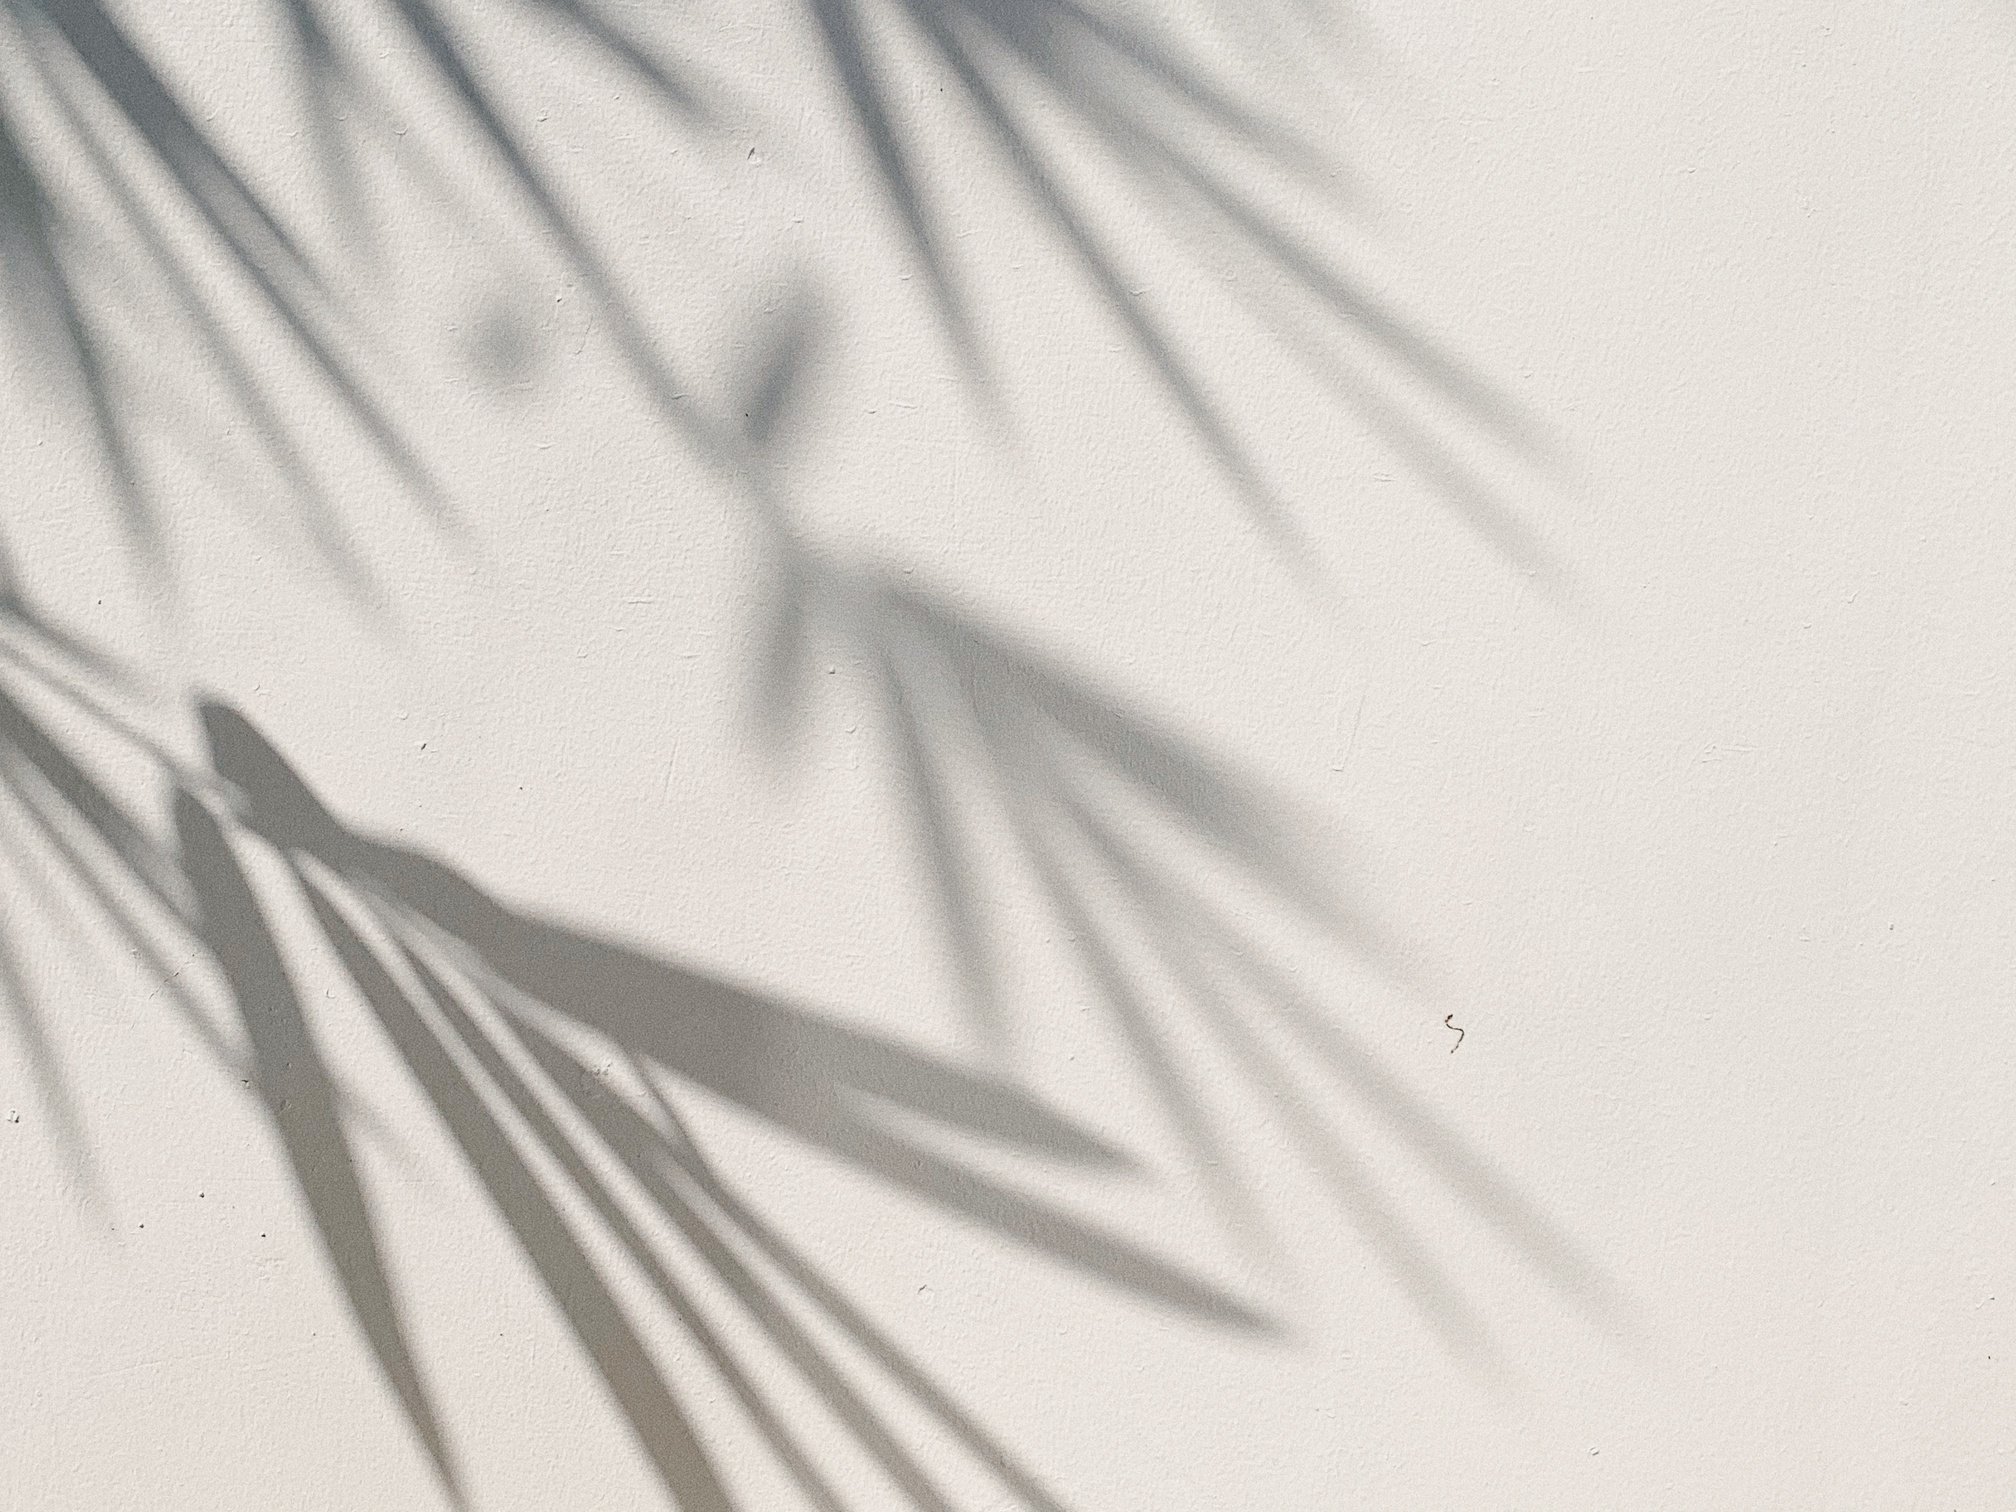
(1005,754)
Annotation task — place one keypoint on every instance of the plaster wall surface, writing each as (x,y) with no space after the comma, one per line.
(1634,692)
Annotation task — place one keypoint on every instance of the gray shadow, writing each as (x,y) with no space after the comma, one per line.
(1142,100)
(1135,95)
(490,1008)
(1010,759)
(506,1024)
(503,1018)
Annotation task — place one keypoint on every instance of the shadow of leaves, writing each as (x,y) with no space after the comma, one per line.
(122,210)
(508,1026)
(1193,147)
(126,222)
(71,841)
(1157,861)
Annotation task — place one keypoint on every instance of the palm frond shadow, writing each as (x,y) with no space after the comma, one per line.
(1179,136)
(101,162)
(80,851)
(71,839)
(508,1026)
(506,1023)
(1008,757)
(93,134)
(110,126)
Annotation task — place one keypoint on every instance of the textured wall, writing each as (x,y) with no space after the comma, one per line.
(942,642)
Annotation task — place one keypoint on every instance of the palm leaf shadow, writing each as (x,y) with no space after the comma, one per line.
(500,1019)
(452,979)
(70,838)
(103,103)
(301,1103)
(1006,755)
(109,120)
(1133,94)
(1128,89)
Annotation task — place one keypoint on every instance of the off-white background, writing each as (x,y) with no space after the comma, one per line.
(1707,838)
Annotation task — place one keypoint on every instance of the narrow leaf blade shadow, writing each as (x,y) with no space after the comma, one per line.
(300,1099)
(633,1380)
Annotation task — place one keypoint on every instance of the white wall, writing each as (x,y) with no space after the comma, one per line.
(1698,820)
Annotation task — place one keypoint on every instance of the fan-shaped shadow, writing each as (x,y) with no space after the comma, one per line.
(93,135)
(75,845)
(831,1086)
(78,224)
(1009,758)
(110,184)
(71,839)
(490,1008)
(507,1025)
(1192,148)
(102,167)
